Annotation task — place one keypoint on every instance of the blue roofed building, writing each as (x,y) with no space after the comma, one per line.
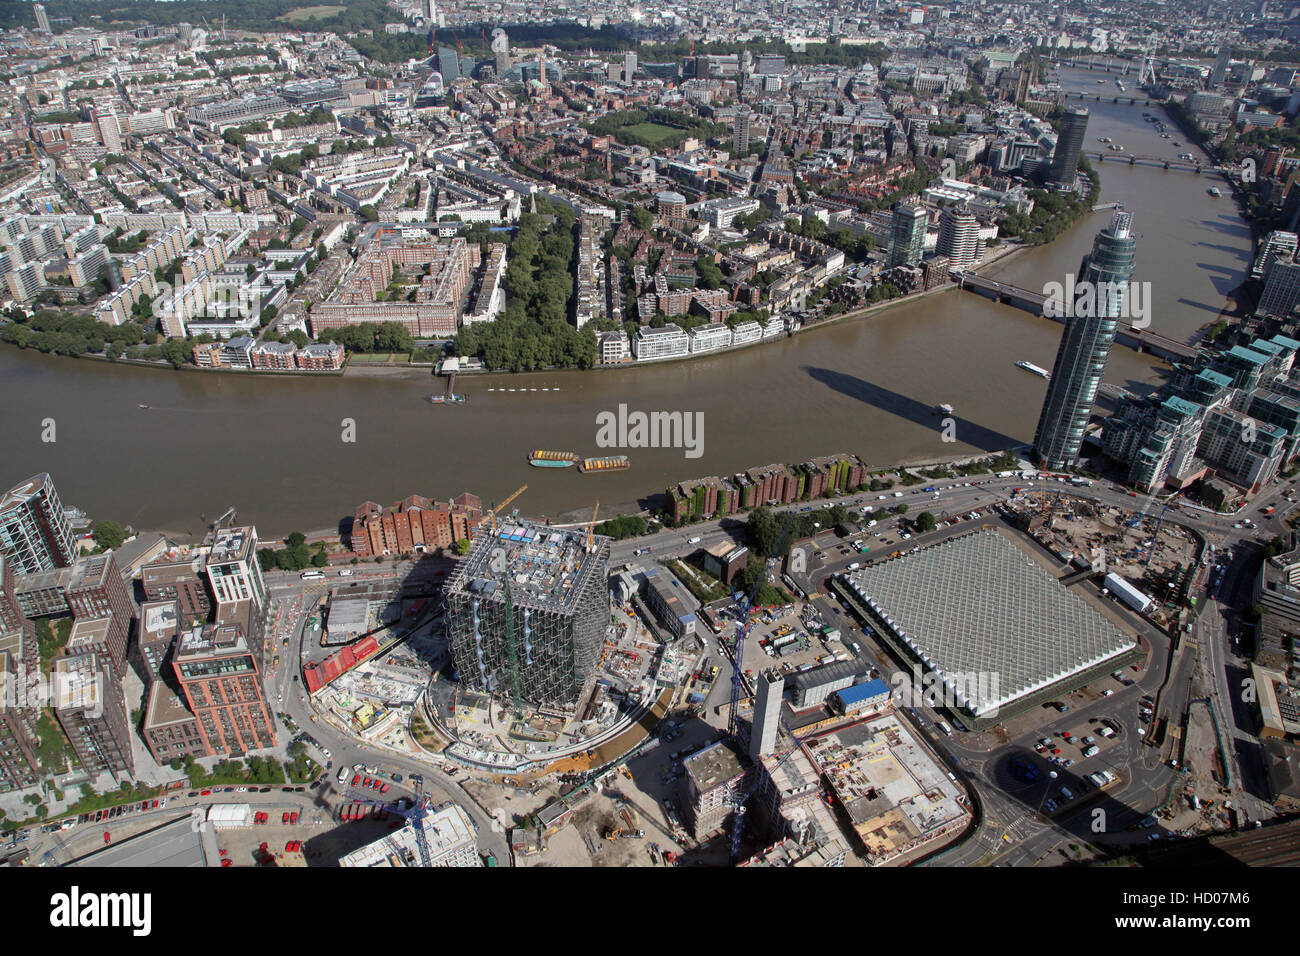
(869,698)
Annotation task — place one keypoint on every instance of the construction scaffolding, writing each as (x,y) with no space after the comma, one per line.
(527,612)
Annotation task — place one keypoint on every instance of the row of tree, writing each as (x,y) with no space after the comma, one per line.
(371,337)
(534,331)
(50,331)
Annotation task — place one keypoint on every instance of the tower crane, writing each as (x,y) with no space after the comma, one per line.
(591,528)
(414,816)
(492,514)
(738,808)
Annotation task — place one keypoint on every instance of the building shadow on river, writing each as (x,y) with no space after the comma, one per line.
(968,432)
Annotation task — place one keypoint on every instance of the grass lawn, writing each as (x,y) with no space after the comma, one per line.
(54,751)
(50,641)
(655,132)
(379,358)
(305,13)
(426,736)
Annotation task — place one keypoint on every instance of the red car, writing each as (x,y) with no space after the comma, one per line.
(1056,750)
(144,805)
(1066,735)
(293,817)
(356,778)
(375,784)
(384,788)
(284,817)
(107,837)
(366,782)
(226,863)
(205,793)
(155,805)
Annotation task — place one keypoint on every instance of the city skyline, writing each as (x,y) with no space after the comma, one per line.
(375,582)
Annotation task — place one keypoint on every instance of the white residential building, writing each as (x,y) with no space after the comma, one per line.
(654,344)
(708,338)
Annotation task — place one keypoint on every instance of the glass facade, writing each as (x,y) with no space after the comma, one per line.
(1069,146)
(907,236)
(1085,345)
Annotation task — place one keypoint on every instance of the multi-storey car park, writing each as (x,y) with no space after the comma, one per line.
(527,614)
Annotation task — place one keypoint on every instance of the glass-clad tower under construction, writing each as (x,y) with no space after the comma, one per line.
(527,613)
(1098,304)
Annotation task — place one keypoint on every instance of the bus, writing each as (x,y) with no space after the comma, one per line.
(309,575)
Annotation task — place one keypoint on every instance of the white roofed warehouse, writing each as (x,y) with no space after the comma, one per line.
(995,626)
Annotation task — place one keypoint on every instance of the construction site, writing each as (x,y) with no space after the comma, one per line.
(527,612)
(898,798)
(1159,558)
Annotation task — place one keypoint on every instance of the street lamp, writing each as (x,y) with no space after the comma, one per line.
(1051,775)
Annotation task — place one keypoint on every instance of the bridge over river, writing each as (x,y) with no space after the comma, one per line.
(1141,340)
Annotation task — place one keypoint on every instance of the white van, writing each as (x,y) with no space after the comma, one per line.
(695,540)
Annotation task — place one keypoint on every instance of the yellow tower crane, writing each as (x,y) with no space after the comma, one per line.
(591,528)
(493,513)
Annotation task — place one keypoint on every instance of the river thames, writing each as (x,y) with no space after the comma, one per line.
(273,447)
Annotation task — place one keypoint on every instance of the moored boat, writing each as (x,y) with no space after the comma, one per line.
(609,463)
(542,458)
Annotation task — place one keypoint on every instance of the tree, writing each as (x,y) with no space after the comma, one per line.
(925,521)
(462,547)
(109,535)
(642,218)
(319,560)
(368,212)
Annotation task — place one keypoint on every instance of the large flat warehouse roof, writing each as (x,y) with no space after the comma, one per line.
(991,622)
